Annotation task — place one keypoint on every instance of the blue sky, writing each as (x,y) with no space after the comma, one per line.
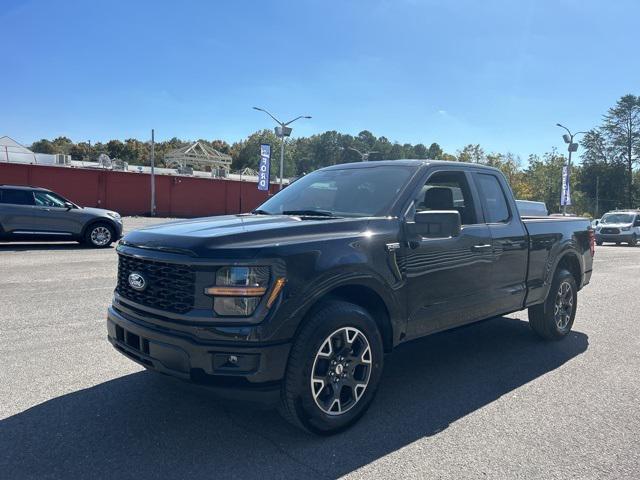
(498,73)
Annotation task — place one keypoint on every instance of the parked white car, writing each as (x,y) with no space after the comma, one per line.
(618,227)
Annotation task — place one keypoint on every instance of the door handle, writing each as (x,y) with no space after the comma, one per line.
(481,248)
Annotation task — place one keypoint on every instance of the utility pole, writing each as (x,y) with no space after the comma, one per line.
(573,147)
(283,138)
(597,196)
(282,131)
(153,174)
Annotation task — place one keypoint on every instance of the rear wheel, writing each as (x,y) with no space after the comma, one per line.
(334,369)
(99,235)
(599,243)
(554,318)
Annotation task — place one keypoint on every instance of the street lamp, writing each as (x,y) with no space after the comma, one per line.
(364,156)
(282,131)
(572,147)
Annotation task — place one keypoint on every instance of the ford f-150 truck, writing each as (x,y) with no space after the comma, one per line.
(300,299)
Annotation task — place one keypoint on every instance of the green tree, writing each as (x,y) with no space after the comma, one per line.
(542,179)
(622,128)
(420,151)
(115,149)
(472,153)
(43,146)
(81,151)
(435,152)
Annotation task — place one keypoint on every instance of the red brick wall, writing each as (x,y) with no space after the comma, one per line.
(130,193)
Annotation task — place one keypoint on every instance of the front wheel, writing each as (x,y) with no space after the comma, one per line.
(334,369)
(99,235)
(599,243)
(553,319)
(634,240)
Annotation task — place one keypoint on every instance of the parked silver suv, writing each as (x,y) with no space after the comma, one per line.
(31,213)
(619,226)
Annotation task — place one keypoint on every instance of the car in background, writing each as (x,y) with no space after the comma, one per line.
(619,226)
(32,213)
(528,208)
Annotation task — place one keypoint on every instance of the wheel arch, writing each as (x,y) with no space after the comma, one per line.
(94,221)
(364,296)
(570,261)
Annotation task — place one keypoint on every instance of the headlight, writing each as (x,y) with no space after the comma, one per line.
(114,215)
(625,229)
(238,290)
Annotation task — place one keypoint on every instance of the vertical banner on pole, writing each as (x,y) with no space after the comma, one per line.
(264,167)
(565,196)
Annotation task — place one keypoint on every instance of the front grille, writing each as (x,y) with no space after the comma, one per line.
(169,287)
(614,231)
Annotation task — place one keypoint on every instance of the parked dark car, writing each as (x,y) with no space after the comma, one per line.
(303,297)
(32,213)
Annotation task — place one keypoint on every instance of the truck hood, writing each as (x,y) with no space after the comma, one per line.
(198,237)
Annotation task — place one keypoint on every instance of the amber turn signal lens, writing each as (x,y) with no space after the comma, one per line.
(277,287)
(235,291)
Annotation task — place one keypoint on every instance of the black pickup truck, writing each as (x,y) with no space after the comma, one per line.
(300,300)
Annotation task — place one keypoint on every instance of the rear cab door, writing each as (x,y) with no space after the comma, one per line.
(509,241)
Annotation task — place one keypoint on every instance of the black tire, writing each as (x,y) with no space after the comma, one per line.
(300,405)
(543,318)
(599,243)
(634,240)
(618,243)
(99,235)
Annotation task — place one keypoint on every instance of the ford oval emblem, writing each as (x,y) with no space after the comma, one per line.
(137,281)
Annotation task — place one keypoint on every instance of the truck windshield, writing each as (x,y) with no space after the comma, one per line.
(349,192)
(617,218)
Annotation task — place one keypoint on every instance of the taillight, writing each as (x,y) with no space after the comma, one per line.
(592,242)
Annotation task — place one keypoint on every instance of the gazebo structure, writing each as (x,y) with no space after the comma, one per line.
(199,156)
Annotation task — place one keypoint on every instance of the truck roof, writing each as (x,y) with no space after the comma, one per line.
(406,163)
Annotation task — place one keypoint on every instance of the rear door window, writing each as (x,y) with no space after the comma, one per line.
(497,210)
(17,197)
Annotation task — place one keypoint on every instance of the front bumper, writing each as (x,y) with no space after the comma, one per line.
(614,237)
(234,369)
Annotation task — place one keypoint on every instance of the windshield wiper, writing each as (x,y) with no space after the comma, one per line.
(260,212)
(309,213)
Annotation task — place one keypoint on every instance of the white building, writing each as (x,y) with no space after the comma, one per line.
(12,151)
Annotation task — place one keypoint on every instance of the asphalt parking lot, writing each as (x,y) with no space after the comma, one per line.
(489,400)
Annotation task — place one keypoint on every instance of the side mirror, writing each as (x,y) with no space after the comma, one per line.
(69,205)
(436,224)
(597,222)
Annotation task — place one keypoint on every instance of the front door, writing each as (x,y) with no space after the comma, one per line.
(52,214)
(447,279)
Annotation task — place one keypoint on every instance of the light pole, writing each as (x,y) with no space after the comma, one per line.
(282,131)
(364,156)
(573,147)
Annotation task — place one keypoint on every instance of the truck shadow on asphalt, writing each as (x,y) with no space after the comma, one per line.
(143,425)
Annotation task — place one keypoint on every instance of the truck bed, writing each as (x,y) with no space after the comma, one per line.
(549,237)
